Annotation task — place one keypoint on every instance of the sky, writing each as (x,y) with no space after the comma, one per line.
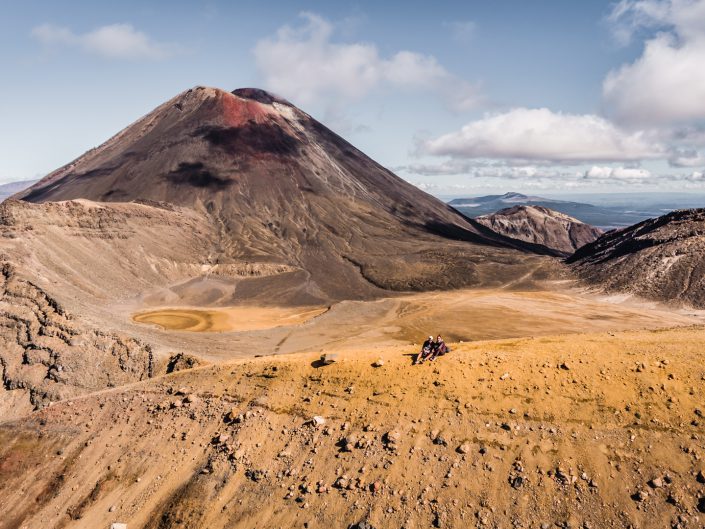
(459,98)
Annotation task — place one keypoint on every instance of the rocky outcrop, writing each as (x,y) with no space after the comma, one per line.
(47,356)
(544,226)
(661,259)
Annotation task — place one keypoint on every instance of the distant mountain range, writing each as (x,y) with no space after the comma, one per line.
(604,217)
(9,189)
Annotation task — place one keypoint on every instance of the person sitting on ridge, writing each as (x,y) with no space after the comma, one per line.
(439,348)
(426,350)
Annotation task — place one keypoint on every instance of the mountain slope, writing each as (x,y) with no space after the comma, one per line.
(543,226)
(234,445)
(281,188)
(660,259)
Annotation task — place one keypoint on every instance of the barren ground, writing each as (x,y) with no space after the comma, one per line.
(583,430)
(462,315)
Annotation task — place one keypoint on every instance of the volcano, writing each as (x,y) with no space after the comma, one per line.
(280,188)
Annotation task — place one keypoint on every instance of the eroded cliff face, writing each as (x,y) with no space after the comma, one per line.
(47,356)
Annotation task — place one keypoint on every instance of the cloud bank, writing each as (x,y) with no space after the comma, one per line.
(543,135)
(666,84)
(305,64)
(115,41)
(654,110)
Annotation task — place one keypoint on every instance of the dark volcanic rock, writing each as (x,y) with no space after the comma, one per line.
(661,259)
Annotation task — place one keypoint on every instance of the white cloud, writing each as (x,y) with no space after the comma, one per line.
(117,41)
(630,17)
(478,169)
(666,84)
(478,173)
(617,173)
(305,64)
(540,134)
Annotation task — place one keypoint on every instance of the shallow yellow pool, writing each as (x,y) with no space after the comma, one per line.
(226,319)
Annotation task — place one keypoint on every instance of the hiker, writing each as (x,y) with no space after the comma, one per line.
(439,348)
(426,350)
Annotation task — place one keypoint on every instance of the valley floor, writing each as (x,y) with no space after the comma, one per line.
(461,315)
(582,430)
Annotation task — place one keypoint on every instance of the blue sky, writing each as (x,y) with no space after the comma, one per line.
(456,97)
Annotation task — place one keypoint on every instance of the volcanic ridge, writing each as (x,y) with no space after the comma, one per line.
(540,225)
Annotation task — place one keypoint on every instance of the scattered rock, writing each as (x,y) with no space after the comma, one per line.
(361,525)
(439,439)
(181,361)
(192,399)
(562,476)
(391,440)
(378,363)
(255,475)
(317,421)
(465,448)
(349,442)
(220,439)
(342,482)
(640,496)
(234,416)
(656,483)
(516,481)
